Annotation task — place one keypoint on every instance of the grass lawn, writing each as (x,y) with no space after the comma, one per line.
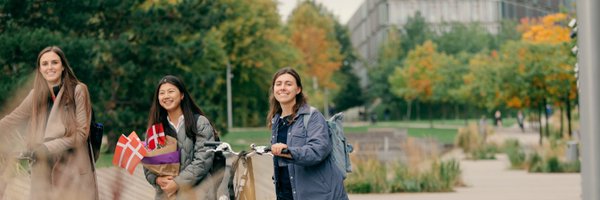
(506,122)
(445,136)
(241,138)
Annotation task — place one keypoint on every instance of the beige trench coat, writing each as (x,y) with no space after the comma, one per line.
(71,175)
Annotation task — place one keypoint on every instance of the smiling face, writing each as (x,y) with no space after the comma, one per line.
(285,89)
(169,97)
(51,68)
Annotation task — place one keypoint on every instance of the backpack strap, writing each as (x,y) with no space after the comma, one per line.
(307,117)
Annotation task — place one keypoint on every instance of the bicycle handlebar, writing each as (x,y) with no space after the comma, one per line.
(225,147)
(212,143)
(286,151)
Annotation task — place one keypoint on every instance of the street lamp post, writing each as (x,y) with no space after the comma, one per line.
(228,77)
(589,71)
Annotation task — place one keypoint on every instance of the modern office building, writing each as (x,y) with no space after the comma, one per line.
(368,26)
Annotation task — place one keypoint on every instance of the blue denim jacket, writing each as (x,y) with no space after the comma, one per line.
(312,172)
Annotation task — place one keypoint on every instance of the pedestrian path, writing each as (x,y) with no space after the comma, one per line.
(493,180)
(484,179)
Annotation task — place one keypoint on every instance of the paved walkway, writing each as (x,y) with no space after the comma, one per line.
(493,180)
(489,180)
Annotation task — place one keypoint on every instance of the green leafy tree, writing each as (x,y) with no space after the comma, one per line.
(134,43)
(415,32)
(470,38)
(390,57)
(350,93)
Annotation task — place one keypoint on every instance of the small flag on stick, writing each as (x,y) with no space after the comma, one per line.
(155,136)
(129,152)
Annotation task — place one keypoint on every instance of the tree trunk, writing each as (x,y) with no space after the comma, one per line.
(568,103)
(418,104)
(444,112)
(466,115)
(430,115)
(546,114)
(456,112)
(561,120)
(540,123)
(408,109)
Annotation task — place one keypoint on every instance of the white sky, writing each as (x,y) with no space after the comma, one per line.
(343,9)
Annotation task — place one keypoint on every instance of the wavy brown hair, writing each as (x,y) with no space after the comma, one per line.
(42,92)
(274,106)
(158,114)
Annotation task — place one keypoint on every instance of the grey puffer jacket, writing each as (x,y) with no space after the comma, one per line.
(313,174)
(195,161)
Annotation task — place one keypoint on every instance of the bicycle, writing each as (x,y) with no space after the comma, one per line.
(238,185)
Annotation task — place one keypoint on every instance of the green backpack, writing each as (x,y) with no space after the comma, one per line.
(341,148)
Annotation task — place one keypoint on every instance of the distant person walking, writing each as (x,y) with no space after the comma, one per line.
(483,127)
(498,118)
(521,120)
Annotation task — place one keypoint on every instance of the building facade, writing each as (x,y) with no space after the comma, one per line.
(368,26)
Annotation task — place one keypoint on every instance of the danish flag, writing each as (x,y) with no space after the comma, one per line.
(155,136)
(129,152)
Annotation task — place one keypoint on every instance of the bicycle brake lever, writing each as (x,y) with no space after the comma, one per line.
(259,149)
(223,147)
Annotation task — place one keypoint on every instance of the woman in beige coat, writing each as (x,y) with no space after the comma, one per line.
(58,114)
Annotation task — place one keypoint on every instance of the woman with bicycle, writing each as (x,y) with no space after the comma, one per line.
(182,119)
(303,165)
(58,114)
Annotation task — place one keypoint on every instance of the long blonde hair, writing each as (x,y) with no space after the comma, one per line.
(41,92)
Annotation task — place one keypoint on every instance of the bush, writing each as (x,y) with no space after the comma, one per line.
(442,177)
(546,162)
(485,152)
(553,165)
(468,138)
(358,187)
(515,153)
(368,176)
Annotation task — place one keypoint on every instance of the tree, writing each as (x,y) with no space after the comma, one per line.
(415,32)
(313,34)
(470,38)
(390,57)
(551,34)
(350,94)
(415,81)
(134,43)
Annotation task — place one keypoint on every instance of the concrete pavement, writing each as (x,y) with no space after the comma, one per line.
(489,180)
(493,180)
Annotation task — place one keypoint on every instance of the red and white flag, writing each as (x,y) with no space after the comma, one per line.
(129,152)
(155,136)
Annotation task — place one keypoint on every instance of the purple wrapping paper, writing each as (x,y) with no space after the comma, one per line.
(168,158)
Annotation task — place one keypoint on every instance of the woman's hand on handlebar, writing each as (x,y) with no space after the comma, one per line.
(278,148)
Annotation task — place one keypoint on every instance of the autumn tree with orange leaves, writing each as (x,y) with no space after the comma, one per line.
(551,31)
(417,79)
(312,33)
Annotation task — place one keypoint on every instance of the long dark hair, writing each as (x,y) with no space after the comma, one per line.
(274,106)
(42,91)
(158,114)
